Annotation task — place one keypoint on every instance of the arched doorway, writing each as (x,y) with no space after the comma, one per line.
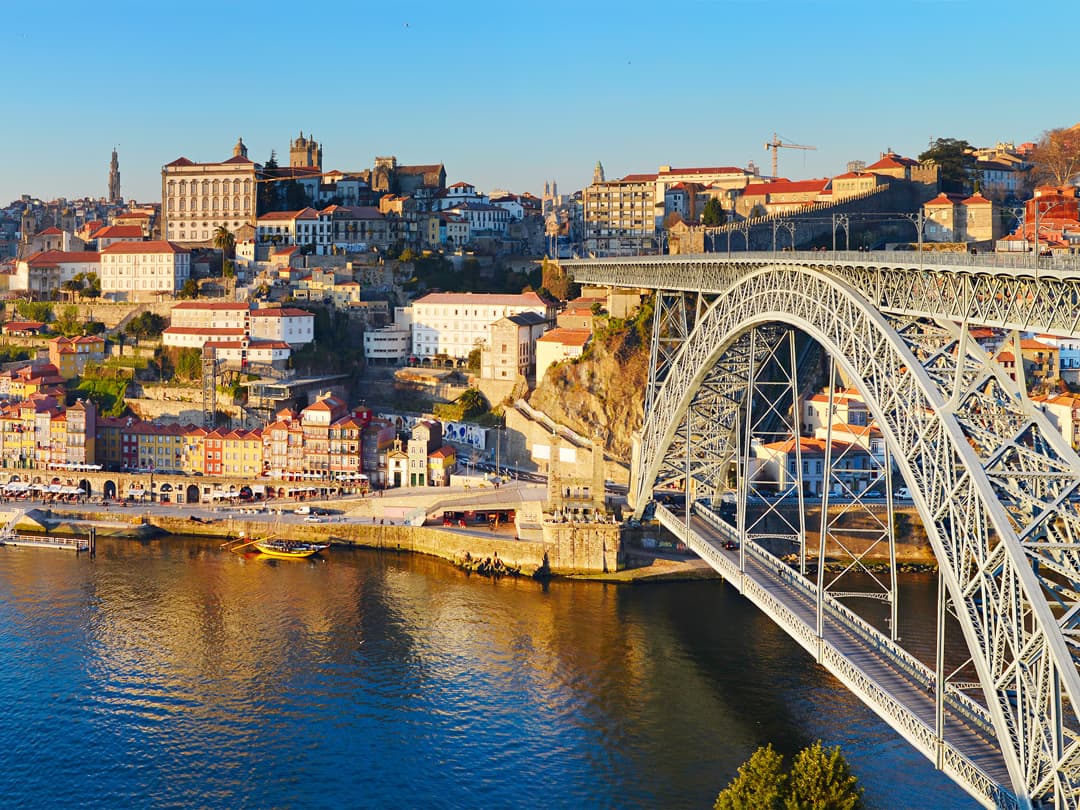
(109,490)
(192,494)
(84,485)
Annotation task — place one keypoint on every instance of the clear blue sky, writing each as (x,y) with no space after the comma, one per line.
(509,94)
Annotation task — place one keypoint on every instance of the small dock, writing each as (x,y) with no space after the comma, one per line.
(76,544)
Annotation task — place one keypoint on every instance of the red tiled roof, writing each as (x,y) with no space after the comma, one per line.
(528,299)
(942,199)
(211,305)
(893,161)
(53,231)
(181,161)
(785,187)
(567,337)
(133,232)
(201,330)
(159,246)
(51,257)
(637,178)
(285,312)
(704,170)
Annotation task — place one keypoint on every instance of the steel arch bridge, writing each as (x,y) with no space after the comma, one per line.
(995,484)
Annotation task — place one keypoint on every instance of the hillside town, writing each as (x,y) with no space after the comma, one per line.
(382,328)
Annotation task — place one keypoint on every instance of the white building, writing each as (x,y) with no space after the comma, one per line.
(211,314)
(293,326)
(483,219)
(304,227)
(131,270)
(456,323)
(458,194)
(1068,356)
(391,344)
(246,351)
(198,197)
(559,345)
(43,273)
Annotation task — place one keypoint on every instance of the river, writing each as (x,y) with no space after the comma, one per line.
(169,674)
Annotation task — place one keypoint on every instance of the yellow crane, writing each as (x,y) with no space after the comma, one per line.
(775,144)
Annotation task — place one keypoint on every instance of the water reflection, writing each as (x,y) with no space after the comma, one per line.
(169,674)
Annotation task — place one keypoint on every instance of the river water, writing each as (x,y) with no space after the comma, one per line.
(170,674)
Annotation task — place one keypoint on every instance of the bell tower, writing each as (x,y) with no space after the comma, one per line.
(114,179)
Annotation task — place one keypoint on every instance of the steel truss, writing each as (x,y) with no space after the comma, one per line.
(994,483)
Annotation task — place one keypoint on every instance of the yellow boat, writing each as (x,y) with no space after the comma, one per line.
(289,549)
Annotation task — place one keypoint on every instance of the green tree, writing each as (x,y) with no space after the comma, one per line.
(225,242)
(188,364)
(821,779)
(35,310)
(68,322)
(713,213)
(91,287)
(956,163)
(267,195)
(759,784)
(228,269)
(473,363)
(73,286)
(472,403)
(145,325)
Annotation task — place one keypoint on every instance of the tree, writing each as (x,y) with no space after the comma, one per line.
(228,269)
(267,195)
(189,290)
(1056,156)
(145,325)
(759,784)
(188,364)
(92,286)
(956,163)
(713,213)
(69,322)
(225,242)
(473,362)
(472,403)
(820,779)
(35,310)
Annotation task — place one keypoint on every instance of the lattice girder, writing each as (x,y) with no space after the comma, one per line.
(966,440)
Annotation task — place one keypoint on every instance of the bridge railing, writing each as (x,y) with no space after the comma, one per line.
(918,732)
(960,703)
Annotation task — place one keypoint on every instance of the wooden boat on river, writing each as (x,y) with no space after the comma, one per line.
(276,547)
(289,549)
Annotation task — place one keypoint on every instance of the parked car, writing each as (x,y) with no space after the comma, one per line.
(903,494)
(314,519)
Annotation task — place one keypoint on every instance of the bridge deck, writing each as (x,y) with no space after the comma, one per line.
(880,672)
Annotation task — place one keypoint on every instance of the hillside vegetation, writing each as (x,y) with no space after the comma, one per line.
(602,393)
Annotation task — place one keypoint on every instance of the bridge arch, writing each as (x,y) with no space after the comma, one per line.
(964,438)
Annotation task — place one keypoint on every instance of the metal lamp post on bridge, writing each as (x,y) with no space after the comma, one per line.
(917,219)
(787,225)
(843,221)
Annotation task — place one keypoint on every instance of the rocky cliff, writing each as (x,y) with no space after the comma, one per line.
(602,393)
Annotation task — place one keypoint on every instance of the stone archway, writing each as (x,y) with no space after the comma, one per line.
(109,489)
(191,495)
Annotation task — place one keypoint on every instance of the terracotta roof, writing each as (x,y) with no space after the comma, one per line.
(22,326)
(977,199)
(942,199)
(461,184)
(281,312)
(212,305)
(785,187)
(118,232)
(159,246)
(50,257)
(54,231)
(637,178)
(201,330)
(528,299)
(181,161)
(446,451)
(238,159)
(567,337)
(892,161)
(703,170)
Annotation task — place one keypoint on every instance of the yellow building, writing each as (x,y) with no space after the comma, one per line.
(70,355)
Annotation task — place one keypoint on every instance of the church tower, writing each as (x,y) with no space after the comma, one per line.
(598,173)
(114,179)
(239,150)
(305,153)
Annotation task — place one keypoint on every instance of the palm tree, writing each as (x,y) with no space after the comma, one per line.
(224,241)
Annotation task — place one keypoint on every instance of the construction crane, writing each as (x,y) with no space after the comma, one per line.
(775,144)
